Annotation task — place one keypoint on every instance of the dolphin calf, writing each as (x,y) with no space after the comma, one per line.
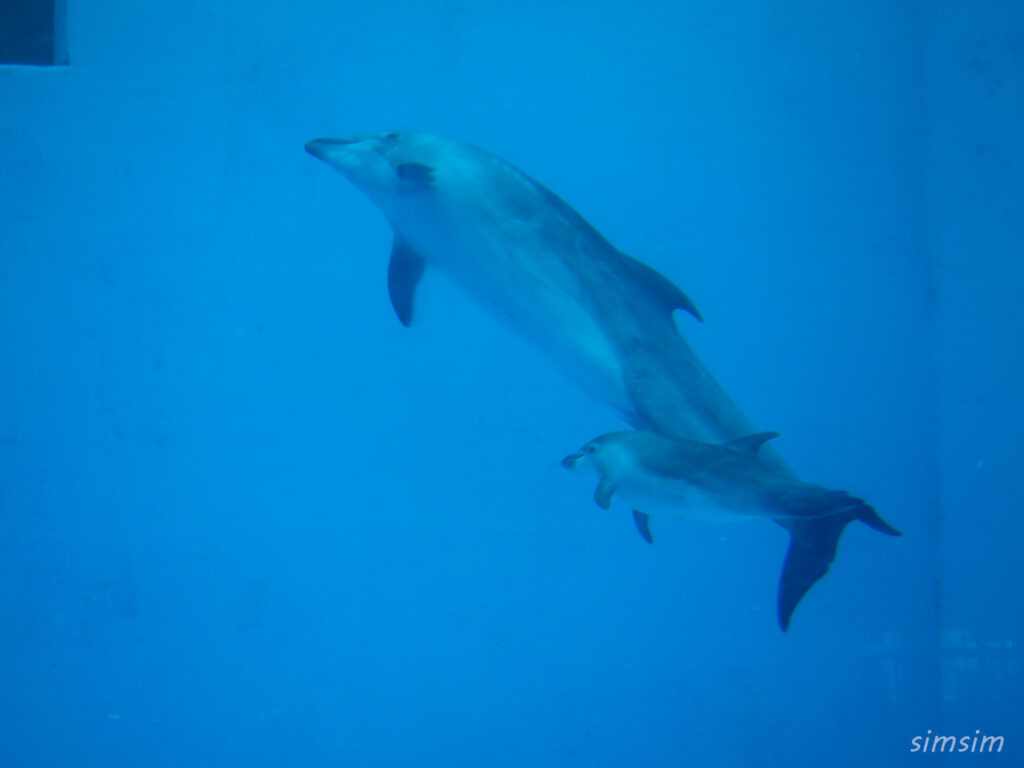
(532,261)
(664,475)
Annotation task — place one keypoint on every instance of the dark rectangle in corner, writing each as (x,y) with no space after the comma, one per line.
(32,32)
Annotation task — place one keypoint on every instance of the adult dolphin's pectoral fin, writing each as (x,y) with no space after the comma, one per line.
(404,272)
(643,524)
(812,548)
(603,493)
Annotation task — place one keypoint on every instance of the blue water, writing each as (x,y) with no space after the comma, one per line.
(250,520)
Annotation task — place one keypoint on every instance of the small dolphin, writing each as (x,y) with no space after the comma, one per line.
(665,475)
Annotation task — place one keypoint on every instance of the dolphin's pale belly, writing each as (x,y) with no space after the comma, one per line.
(530,290)
(658,495)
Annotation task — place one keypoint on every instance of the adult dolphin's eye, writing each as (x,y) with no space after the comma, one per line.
(589,448)
(390,140)
(416,173)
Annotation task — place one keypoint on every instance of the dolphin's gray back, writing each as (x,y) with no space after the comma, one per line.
(670,389)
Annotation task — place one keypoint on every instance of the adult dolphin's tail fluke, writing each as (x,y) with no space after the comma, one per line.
(606,319)
(812,548)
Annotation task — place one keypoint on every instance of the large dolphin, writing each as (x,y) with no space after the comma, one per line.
(536,264)
(663,475)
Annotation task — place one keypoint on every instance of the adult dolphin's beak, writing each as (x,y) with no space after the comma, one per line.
(569,462)
(322,147)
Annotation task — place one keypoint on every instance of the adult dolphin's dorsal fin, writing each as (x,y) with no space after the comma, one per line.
(751,443)
(643,524)
(404,272)
(659,289)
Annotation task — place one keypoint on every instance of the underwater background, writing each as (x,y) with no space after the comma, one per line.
(249,519)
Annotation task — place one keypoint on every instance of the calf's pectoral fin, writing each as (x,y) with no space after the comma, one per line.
(643,524)
(603,493)
(404,272)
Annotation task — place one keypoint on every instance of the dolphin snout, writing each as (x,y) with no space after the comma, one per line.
(569,462)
